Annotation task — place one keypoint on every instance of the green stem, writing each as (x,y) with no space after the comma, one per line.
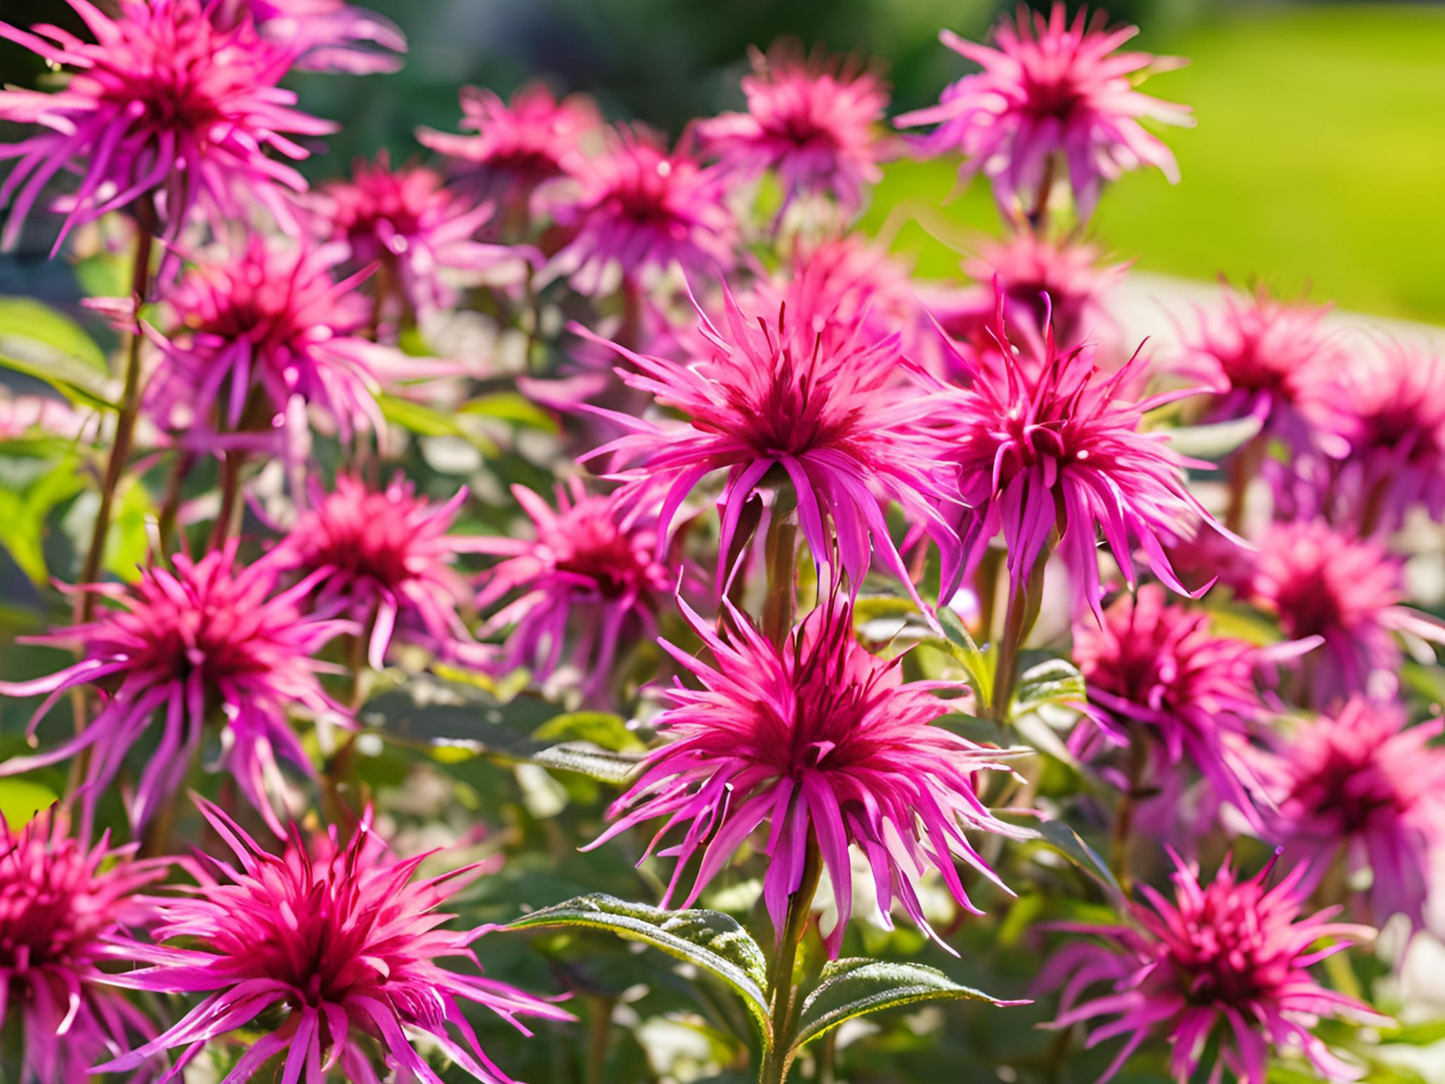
(1124,815)
(599,1031)
(1024,602)
(231,468)
(780,550)
(779,1057)
(1242,470)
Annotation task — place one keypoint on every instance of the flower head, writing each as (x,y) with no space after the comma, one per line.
(1229,960)
(1272,360)
(384,557)
(1051,91)
(1317,581)
(518,144)
(809,120)
(1361,783)
(590,574)
(59,903)
(164,102)
(326,35)
(340,940)
(23,416)
(259,330)
(1155,673)
(1052,450)
(641,211)
(407,220)
(1395,400)
(819,739)
(793,396)
(206,641)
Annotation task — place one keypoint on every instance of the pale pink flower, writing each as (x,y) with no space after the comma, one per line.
(332,950)
(206,642)
(60,901)
(590,577)
(809,120)
(383,557)
(1053,93)
(819,740)
(1362,785)
(23,416)
(639,212)
(325,35)
(164,102)
(420,231)
(1228,961)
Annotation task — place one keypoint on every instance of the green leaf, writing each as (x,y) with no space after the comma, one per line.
(853,988)
(24,511)
(601,728)
(42,343)
(710,940)
(1053,681)
(418,418)
(21,800)
(958,643)
(1059,837)
(512,407)
(1213,441)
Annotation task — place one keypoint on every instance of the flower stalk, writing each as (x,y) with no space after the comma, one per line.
(778,1059)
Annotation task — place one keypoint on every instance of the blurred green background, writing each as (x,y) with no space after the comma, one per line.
(1318,162)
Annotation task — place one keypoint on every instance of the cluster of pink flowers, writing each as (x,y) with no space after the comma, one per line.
(764,432)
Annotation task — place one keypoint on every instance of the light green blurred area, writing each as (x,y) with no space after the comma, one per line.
(1318,162)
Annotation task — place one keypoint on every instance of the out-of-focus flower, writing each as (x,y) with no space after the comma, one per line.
(338,939)
(419,230)
(384,558)
(59,903)
(259,329)
(1273,361)
(1361,784)
(205,643)
(1051,450)
(325,35)
(164,102)
(809,120)
(791,396)
(1052,93)
(1155,673)
(1038,280)
(1318,581)
(641,211)
(28,415)
(518,144)
(825,743)
(1395,399)
(1228,961)
(590,575)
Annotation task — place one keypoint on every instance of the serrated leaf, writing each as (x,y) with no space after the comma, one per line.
(511,407)
(40,342)
(1213,441)
(853,988)
(710,940)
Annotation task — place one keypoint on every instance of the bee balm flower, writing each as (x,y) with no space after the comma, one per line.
(817,738)
(163,102)
(327,35)
(1229,960)
(340,941)
(1051,90)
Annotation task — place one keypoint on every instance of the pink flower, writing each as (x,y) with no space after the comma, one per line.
(204,641)
(261,329)
(1317,581)
(1273,361)
(826,744)
(383,557)
(59,903)
(23,416)
(1051,93)
(1228,961)
(419,230)
(162,102)
(1395,400)
(1361,784)
(518,144)
(591,574)
(1056,454)
(326,35)
(1156,674)
(640,212)
(338,943)
(794,396)
(810,120)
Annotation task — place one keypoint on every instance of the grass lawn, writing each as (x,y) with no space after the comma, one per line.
(1318,163)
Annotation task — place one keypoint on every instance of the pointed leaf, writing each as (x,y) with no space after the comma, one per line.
(958,643)
(1213,441)
(710,940)
(40,342)
(852,988)
(1054,681)
(1059,837)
